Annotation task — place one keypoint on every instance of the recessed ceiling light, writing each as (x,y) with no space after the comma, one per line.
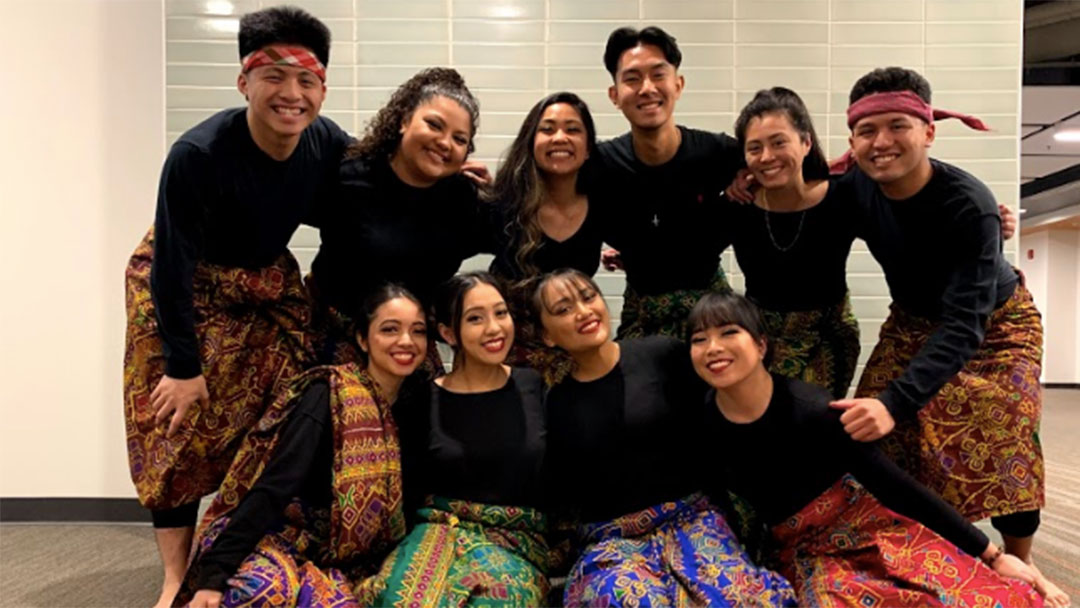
(1067,135)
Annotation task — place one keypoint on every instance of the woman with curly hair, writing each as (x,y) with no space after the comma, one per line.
(542,219)
(401,195)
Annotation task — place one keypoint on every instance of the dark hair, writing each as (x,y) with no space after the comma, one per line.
(451,300)
(782,100)
(626,38)
(885,80)
(716,309)
(283,24)
(365,313)
(571,276)
(383,133)
(519,190)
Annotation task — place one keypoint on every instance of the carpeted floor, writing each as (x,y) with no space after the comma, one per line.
(55,566)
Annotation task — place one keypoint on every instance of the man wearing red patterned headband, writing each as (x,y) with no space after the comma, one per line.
(217,313)
(956,367)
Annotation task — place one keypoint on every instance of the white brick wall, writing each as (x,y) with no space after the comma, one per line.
(512,52)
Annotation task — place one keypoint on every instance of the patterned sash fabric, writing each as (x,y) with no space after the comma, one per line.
(252,331)
(976,442)
(816,346)
(846,549)
(678,553)
(326,548)
(465,554)
(663,314)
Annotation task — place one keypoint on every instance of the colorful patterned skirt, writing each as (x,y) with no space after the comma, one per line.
(976,442)
(846,549)
(465,554)
(816,346)
(252,328)
(678,553)
(664,314)
(318,556)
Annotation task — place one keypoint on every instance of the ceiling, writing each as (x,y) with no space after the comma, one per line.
(1050,168)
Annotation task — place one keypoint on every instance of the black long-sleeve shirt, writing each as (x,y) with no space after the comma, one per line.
(483,447)
(663,219)
(619,443)
(798,449)
(300,466)
(378,229)
(805,268)
(222,200)
(580,250)
(941,253)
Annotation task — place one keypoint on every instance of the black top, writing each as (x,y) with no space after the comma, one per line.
(618,444)
(580,250)
(379,229)
(810,273)
(798,449)
(941,253)
(224,201)
(664,219)
(301,466)
(484,447)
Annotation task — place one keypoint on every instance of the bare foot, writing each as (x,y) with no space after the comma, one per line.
(1052,594)
(168,593)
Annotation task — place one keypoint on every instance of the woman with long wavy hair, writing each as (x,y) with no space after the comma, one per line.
(542,218)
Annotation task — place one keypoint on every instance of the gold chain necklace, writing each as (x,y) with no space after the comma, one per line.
(768,225)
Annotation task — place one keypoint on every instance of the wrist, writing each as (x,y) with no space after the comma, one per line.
(992,554)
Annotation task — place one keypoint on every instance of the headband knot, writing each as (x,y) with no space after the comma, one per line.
(279,54)
(907,102)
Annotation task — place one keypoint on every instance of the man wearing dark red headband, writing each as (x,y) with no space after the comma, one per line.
(956,367)
(217,313)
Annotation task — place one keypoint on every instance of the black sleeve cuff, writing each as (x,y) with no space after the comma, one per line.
(182,368)
(212,577)
(899,407)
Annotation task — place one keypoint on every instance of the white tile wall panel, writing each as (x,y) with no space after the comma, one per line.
(513,52)
(395,9)
(593,9)
(782,10)
(876,10)
(407,53)
(973,10)
(653,10)
(503,9)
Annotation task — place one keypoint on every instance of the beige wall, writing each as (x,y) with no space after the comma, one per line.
(84,131)
(86,112)
(1053,277)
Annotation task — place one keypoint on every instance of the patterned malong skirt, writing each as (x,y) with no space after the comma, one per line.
(663,314)
(846,549)
(465,554)
(252,327)
(318,556)
(976,442)
(816,346)
(678,553)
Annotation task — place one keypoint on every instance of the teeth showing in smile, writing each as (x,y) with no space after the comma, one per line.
(560,154)
(436,156)
(649,105)
(718,366)
(771,170)
(884,158)
(288,111)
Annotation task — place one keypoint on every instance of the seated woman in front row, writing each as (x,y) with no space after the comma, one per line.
(854,529)
(331,441)
(473,454)
(620,458)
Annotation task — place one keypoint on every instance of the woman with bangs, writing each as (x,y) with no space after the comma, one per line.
(472,466)
(404,191)
(853,528)
(542,220)
(620,462)
(313,501)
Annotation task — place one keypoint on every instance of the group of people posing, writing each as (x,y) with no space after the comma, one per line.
(707,455)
